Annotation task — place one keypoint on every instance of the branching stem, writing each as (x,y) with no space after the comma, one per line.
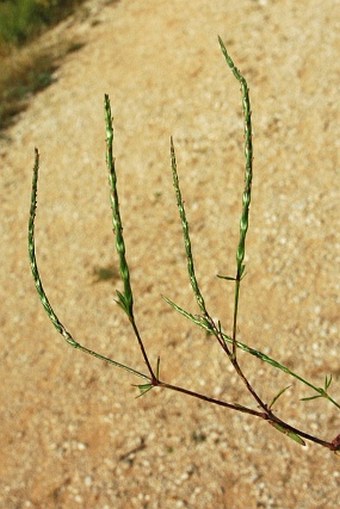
(126,301)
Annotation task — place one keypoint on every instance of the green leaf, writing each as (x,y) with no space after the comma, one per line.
(196,319)
(278,395)
(328,381)
(289,433)
(311,397)
(144,388)
(242,269)
(228,278)
(158,367)
(123,302)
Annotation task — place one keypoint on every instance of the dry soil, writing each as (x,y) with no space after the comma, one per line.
(72,432)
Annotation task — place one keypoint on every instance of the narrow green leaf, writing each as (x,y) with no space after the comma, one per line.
(228,278)
(328,381)
(311,397)
(289,433)
(196,319)
(123,303)
(143,388)
(158,367)
(278,395)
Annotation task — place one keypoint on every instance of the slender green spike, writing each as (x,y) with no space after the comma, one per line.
(248,153)
(40,289)
(33,261)
(125,299)
(246,196)
(186,233)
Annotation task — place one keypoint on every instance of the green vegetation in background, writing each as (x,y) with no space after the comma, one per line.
(34,75)
(27,66)
(20,20)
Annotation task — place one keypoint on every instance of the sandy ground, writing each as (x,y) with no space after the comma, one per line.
(72,432)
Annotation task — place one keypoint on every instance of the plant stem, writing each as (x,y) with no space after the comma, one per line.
(214,401)
(267,415)
(207,319)
(143,350)
(197,320)
(235,316)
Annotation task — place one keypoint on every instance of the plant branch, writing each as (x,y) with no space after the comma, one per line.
(40,289)
(292,432)
(193,280)
(125,300)
(197,320)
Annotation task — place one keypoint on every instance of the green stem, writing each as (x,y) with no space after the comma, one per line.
(236,307)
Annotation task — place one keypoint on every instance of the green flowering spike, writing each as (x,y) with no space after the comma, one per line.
(33,261)
(186,233)
(125,300)
(248,154)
